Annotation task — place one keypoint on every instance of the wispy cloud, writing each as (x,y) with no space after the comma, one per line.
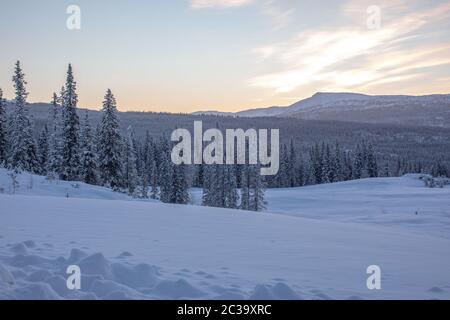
(349,57)
(203,4)
(279,12)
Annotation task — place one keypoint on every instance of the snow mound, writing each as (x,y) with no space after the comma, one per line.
(31,184)
(279,291)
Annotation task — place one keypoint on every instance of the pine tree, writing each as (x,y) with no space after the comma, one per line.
(3,131)
(130,172)
(55,151)
(110,145)
(22,155)
(70,160)
(88,158)
(43,150)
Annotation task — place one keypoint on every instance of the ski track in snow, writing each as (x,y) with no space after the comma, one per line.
(147,250)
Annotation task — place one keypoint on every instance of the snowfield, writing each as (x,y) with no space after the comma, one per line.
(317,243)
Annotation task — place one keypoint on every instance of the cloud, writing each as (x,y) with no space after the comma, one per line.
(349,57)
(279,12)
(204,4)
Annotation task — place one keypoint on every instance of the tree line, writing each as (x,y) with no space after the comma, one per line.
(70,149)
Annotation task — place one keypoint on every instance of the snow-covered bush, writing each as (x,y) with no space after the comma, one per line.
(435,182)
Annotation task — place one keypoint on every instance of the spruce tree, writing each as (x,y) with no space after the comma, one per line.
(230,187)
(88,158)
(70,160)
(110,145)
(245,188)
(147,159)
(55,151)
(292,177)
(22,155)
(43,150)
(207,186)
(358,163)
(154,181)
(180,190)
(3,131)
(166,178)
(372,166)
(130,171)
(257,189)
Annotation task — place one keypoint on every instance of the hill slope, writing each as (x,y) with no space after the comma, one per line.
(428,110)
(133,249)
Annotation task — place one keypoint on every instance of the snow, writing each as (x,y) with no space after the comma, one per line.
(397,203)
(323,101)
(30,184)
(307,249)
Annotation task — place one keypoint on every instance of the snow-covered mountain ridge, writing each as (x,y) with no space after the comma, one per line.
(427,110)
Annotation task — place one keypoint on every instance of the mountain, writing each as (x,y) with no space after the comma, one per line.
(428,110)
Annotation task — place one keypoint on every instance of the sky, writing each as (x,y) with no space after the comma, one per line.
(227,55)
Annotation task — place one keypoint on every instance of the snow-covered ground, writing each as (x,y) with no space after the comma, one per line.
(402,203)
(317,245)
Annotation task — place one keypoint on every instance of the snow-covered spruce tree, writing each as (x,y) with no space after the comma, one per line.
(245,187)
(207,194)
(301,172)
(22,154)
(257,189)
(55,151)
(89,170)
(292,166)
(217,186)
(316,163)
(358,163)
(110,145)
(130,172)
(372,166)
(3,131)
(338,163)
(180,192)
(166,177)
(283,174)
(327,173)
(70,160)
(43,150)
(230,187)
(146,161)
(347,166)
(154,193)
(198,175)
